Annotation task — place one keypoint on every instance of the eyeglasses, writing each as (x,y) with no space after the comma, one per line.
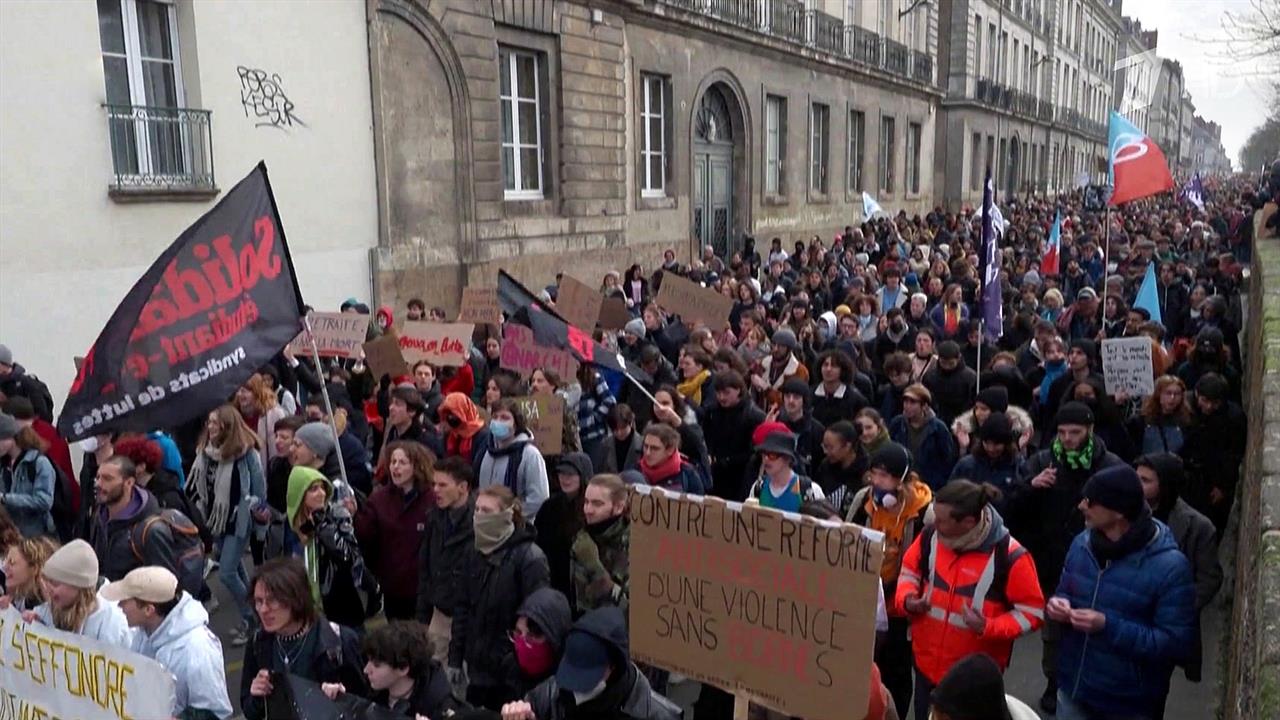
(530,638)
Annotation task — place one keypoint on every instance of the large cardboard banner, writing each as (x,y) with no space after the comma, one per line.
(1126,366)
(437,343)
(480,306)
(578,303)
(55,675)
(522,354)
(692,302)
(383,357)
(336,335)
(545,417)
(773,606)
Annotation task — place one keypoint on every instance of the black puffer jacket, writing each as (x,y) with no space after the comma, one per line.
(494,587)
(952,391)
(627,695)
(558,522)
(442,560)
(728,434)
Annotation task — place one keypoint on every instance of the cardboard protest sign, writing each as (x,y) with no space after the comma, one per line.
(383,356)
(521,354)
(336,334)
(1126,366)
(693,302)
(438,343)
(545,418)
(47,673)
(613,313)
(480,306)
(578,304)
(766,604)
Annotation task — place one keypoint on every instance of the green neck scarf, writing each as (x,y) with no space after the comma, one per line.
(1081,459)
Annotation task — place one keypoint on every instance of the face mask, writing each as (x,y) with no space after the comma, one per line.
(501,430)
(535,659)
(89,444)
(454,421)
(592,694)
(885,498)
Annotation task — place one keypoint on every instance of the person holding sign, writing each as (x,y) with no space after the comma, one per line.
(172,628)
(73,605)
(402,674)
(596,678)
(951,613)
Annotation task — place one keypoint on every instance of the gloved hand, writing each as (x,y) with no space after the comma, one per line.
(585,550)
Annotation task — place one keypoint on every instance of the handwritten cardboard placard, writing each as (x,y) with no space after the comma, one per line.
(521,354)
(441,344)
(578,304)
(613,313)
(480,306)
(47,673)
(336,334)
(383,356)
(692,302)
(765,604)
(545,417)
(1126,366)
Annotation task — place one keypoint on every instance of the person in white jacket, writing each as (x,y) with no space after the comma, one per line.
(73,603)
(172,628)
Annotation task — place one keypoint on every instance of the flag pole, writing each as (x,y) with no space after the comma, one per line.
(328,406)
(1106,251)
(982,336)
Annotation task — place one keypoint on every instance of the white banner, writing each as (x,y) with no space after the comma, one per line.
(48,674)
(1126,366)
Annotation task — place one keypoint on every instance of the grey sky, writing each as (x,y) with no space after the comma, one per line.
(1227,92)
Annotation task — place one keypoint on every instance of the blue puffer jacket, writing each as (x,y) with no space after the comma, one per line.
(1149,601)
(27,486)
(937,453)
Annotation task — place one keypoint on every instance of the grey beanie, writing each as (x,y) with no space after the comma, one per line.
(634,326)
(6,355)
(318,437)
(8,426)
(785,338)
(74,564)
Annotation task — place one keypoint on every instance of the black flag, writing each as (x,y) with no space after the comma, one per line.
(212,309)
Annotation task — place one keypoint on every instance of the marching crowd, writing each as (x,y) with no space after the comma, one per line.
(857,379)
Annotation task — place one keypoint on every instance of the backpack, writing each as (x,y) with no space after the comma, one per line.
(188,548)
(63,510)
(1003,562)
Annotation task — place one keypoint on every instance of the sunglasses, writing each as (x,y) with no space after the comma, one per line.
(771,455)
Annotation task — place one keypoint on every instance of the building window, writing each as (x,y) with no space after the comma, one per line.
(977,46)
(886,154)
(990,166)
(991,51)
(975,163)
(521,98)
(155,141)
(913,158)
(819,146)
(857,147)
(775,144)
(653,141)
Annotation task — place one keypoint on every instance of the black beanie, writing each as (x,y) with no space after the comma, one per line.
(1074,413)
(997,428)
(995,397)
(1212,386)
(891,458)
(1116,488)
(972,690)
(1086,346)
(796,386)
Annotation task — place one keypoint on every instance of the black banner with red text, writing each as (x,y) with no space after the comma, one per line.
(213,308)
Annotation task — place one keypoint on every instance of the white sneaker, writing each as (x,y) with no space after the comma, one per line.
(239,636)
(210,565)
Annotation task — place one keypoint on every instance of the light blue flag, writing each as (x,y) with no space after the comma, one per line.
(869,206)
(1148,299)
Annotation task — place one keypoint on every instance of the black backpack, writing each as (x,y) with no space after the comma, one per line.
(63,512)
(188,548)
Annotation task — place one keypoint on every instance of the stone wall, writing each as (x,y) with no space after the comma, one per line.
(1251,662)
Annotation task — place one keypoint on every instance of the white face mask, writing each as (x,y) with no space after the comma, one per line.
(89,444)
(584,697)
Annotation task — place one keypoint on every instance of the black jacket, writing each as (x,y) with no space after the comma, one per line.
(558,522)
(431,697)
(953,392)
(164,487)
(442,560)
(19,384)
(605,458)
(337,660)
(728,434)
(493,588)
(112,542)
(843,404)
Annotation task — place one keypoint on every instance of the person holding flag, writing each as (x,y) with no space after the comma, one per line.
(1050,262)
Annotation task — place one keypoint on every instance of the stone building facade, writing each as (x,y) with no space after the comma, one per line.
(555,135)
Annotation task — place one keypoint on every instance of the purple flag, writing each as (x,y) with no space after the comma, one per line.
(991,298)
(1193,192)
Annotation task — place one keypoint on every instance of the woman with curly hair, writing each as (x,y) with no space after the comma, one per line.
(390,524)
(24,562)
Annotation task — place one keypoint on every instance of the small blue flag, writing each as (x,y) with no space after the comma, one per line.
(1148,299)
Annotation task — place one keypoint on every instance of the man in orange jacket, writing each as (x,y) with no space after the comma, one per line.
(967,587)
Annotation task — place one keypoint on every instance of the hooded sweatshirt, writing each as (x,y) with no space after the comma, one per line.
(186,647)
(900,524)
(300,480)
(529,482)
(106,623)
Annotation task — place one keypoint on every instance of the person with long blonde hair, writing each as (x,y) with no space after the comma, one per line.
(24,563)
(70,582)
(227,484)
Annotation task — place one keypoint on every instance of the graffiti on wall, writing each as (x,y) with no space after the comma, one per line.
(263,98)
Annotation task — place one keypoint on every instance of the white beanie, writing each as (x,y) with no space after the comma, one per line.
(73,564)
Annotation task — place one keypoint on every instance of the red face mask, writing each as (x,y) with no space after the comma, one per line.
(534,658)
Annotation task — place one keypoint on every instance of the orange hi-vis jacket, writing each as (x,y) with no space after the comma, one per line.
(998,579)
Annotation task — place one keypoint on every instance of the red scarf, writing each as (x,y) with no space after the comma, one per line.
(663,472)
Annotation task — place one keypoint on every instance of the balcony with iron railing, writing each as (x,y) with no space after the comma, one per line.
(789,20)
(160,151)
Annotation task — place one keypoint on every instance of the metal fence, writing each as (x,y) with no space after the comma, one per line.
(160,148)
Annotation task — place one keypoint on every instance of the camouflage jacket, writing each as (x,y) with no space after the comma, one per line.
(600,567)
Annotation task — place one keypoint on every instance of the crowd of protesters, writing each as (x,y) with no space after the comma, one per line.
(859,379)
